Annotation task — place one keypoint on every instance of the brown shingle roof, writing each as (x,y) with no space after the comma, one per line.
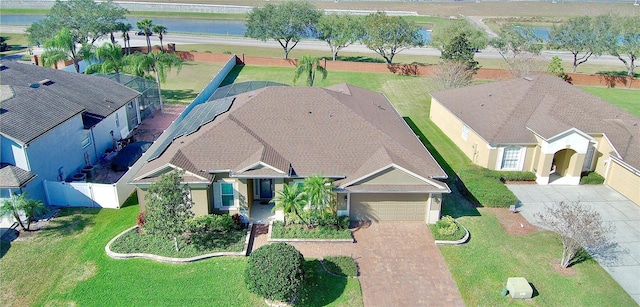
(14,177)
(506,112)
(339,132)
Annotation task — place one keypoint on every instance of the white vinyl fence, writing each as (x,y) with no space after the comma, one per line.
(83,194)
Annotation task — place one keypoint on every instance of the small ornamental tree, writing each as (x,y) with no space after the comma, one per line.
(19,205)
(168,207)
(579,227)
(275,272)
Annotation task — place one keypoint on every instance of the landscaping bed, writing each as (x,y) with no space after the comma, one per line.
(134,242)
(449,231)
(298,231)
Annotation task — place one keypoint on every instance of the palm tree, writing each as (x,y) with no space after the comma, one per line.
(309,65)
(125,28)
(320,194)
(19,203)
(154,64)
(291,199)
(145,25)
(60,47)
(160,30)
(111,60)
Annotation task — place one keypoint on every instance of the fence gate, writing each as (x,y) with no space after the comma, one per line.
(80,194)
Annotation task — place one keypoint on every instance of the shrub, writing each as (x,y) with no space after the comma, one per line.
(341,265)
(275,271)
(227,52)
(208,51)
(204,231)
(516,176)
(140,220)
(486,187)
(591,178)
(237,218)
(447,226)
(300,231)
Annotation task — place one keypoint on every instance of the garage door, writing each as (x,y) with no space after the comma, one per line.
(388,207)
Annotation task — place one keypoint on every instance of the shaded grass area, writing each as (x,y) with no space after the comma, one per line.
(322,289)
(67,265)
(16,42)
(341,265)
(297,231)
(626,99)
(133,242)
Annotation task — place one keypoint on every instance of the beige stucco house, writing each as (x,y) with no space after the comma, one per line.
(238,151)
(543,125)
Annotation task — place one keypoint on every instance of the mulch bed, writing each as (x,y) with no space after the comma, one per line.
(18,234)
(513,223)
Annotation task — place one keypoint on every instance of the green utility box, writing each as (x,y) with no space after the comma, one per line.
(519,287)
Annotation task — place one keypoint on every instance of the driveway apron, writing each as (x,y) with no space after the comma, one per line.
(400,265)
(612,206)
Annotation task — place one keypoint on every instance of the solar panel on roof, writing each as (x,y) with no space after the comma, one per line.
(196,118)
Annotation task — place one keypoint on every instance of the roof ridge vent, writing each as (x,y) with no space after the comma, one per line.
(44,81)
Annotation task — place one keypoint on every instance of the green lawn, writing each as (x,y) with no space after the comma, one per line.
(66,265)
(184,86)
(17,42)
(626,99)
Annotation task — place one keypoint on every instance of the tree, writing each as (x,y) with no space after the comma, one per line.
(168,207)
(308,65)
(275,272)
(287,23)
(452,74)
(61,46)
(320,196)
(518,47)
(125,28)
(161,31)
(18,205)
(146,25)
(153,63)
(86,20)
(111,60)
(627,47)
(291,199)
(555,68)
(583,36)
(460,50)
(339,31)
(320,192)
(443,35)
(389,35)
(579,227)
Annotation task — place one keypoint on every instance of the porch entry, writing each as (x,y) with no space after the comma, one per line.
(264,189)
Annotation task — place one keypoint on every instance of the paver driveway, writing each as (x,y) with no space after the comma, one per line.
(400,265)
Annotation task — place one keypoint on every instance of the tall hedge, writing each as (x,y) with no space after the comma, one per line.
(275,271)
(487,187)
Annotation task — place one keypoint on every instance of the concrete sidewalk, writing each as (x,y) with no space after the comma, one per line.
(612,206)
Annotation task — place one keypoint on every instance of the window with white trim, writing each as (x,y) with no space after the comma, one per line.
(86,141)
(465,132)
(226,194)
(510,158)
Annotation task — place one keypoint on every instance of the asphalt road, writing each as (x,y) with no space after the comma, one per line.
(183,39)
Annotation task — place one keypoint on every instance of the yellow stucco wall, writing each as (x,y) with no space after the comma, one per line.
(603,149)
(624,181)
(200,198)
(474,147)
(141,193)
